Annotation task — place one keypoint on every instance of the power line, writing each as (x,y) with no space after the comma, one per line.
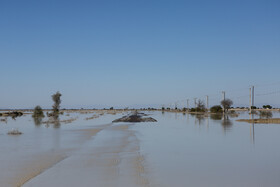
(216,97)
(271,93)
(269,84)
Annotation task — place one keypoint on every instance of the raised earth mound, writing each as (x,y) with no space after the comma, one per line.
(136,117)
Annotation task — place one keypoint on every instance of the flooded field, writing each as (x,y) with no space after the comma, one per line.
(87,149)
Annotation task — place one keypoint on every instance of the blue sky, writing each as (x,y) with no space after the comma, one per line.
(137,53)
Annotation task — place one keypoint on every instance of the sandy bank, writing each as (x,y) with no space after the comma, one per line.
(272,121)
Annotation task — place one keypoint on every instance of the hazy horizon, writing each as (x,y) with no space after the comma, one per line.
(138,53)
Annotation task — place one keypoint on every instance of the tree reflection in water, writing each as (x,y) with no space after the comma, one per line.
(56,122)
(226,123)
(216,116)
(199,118)
(265,114)
(38,120)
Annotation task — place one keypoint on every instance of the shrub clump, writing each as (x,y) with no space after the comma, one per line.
(216,109)
(267,106)
(253,107)
(199,108)
(38,112)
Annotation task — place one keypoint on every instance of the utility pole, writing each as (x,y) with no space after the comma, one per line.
(250,99)
(224,95)
(195,102)
(207,102)
(187,103)
(253,94)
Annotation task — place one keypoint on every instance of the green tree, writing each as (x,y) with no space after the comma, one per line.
(200,106)
(226,104)
(56,106)
(38,112)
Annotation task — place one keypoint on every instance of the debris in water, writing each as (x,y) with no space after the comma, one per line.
(14,132)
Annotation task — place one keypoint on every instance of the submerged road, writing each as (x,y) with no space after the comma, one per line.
(111,158)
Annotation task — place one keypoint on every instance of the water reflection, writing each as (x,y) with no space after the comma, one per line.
(225,120)
(56,122)
(265,114)
(207,124)
(5,120)
(252,128)
(38,121)
(216,116)
(226,123)
(199,118)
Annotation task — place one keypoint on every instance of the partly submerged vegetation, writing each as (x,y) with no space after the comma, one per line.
(56,106)
(38,112)
(14,132)
(216,109)
(200,107)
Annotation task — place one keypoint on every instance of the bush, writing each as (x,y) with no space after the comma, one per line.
(267,107)
(216,109)
(200,107)
(197,109)
(38,112)
(253,107)
(192,110)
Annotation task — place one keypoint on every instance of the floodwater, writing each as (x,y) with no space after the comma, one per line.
(179,150)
